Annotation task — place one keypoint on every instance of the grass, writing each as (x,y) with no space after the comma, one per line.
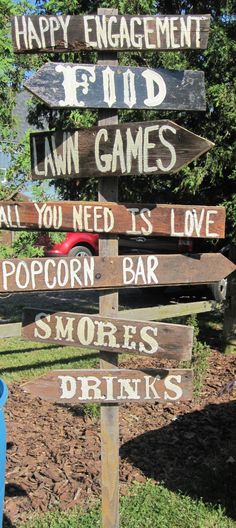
(146,506)
(22,360)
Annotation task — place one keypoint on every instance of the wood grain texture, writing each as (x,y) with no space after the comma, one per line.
(161,340)
(152,147)
(42,274)
(108,306)
(109,385)
(48,33)
(195,221)
(89,86)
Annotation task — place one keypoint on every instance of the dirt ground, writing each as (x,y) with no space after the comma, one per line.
(53,451)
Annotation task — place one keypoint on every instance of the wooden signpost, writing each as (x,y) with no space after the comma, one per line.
(92,86)
(152,147)
(160,340)
(110,151)
(109,32)
(114,385)
(41,274)
(193,221)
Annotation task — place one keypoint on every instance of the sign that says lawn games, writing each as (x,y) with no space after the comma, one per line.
(153,147)
(111,272)
(90,86)
(109,386)
(102,32)
(161,340)
(129,219)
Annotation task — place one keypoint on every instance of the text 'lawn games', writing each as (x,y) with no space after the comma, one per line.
(113,150)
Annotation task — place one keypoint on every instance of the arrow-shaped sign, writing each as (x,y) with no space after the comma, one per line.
(120,385)
(112,272)
(49,33)
(195,221)
(161,340)
(153,147)
(87,86)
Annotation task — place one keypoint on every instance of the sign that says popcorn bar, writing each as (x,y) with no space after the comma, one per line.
(111,272)
(109,386)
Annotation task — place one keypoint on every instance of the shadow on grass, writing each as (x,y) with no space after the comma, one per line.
(42,364)
(31,349)
(195,454)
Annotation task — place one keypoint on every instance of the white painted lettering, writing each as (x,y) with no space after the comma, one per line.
(42,321)
(19,32)
(85,331)
(154,79)
(147,32)
(170,147)
(129,332)
(109,90)
(150,389)
(64,328)
(173,29)
(172,387)
(68,387)
(106,330)
(127,391)
(209,221)
(90,384)
(71,85)
(149,339)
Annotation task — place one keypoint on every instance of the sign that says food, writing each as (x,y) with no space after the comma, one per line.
(89,86)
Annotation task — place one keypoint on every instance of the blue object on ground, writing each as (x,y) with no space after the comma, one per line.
(3,398)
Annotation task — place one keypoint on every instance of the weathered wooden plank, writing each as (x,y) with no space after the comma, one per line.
(111,272)
(49,33)
(152,147)
(195,221)
(108,306)
(157,313)
(90,86)
(119,385)
(10,330)
(161,340)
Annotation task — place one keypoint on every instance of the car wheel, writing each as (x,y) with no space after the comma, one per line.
(80,251)
(219,290)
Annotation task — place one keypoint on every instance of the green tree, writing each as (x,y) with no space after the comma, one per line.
(13,69)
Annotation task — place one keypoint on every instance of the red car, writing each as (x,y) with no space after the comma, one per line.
(74,245)
(86,244)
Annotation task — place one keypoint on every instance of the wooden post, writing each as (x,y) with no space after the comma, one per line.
(108,306)
(229,328)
